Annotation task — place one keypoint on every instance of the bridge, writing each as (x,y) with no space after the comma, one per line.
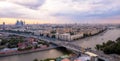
(79,49)
(73,47)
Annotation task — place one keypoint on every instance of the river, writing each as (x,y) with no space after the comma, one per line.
(99,39)
(52,53)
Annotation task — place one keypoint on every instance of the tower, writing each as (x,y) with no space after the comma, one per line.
(20,23)
(17,23)
(24,22)
(3,26)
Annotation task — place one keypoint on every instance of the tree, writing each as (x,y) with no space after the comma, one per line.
(71,33)
(118,39)
(3,42)
(53,36)
(110,47)
(35,59)
(97,47)
(110,42)
(53,32)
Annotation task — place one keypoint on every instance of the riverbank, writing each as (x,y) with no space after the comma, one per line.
(101,32)
(26,52)
(67,54)
(41,55)
(90,42)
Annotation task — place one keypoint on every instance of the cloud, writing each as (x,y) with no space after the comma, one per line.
(90,9)
(64,10)
(13,10)
(33,4)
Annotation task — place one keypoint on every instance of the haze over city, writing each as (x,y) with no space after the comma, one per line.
(60,11)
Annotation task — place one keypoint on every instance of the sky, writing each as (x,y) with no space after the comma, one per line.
(60,11)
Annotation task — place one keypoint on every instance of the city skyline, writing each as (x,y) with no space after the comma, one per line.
(60,11)
(60,30)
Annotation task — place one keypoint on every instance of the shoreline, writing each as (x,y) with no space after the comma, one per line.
(88,39)
(26,52)
(92,35)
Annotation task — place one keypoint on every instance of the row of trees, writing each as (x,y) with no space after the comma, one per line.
(26,48)
(12,42)
(110,47)
(12,31)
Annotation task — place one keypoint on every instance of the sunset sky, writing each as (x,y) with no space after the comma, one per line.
(60,11)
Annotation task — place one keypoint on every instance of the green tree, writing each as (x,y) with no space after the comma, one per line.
(97,47)
(35,59)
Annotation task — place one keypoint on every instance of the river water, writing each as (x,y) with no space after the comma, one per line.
(52,53)
(99,39)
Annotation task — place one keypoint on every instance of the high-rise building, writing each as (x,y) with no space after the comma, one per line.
(17,22)
(3,26)
(20,23)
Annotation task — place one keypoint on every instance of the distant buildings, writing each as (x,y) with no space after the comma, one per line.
(20,23)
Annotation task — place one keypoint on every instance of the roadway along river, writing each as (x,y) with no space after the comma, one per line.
(99,39)
(52,53)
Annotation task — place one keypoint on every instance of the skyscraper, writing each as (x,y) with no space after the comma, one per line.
(3,26)
(20,23)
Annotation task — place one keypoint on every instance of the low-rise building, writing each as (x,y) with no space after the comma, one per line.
(65,36)
(73,37)
(68,37)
